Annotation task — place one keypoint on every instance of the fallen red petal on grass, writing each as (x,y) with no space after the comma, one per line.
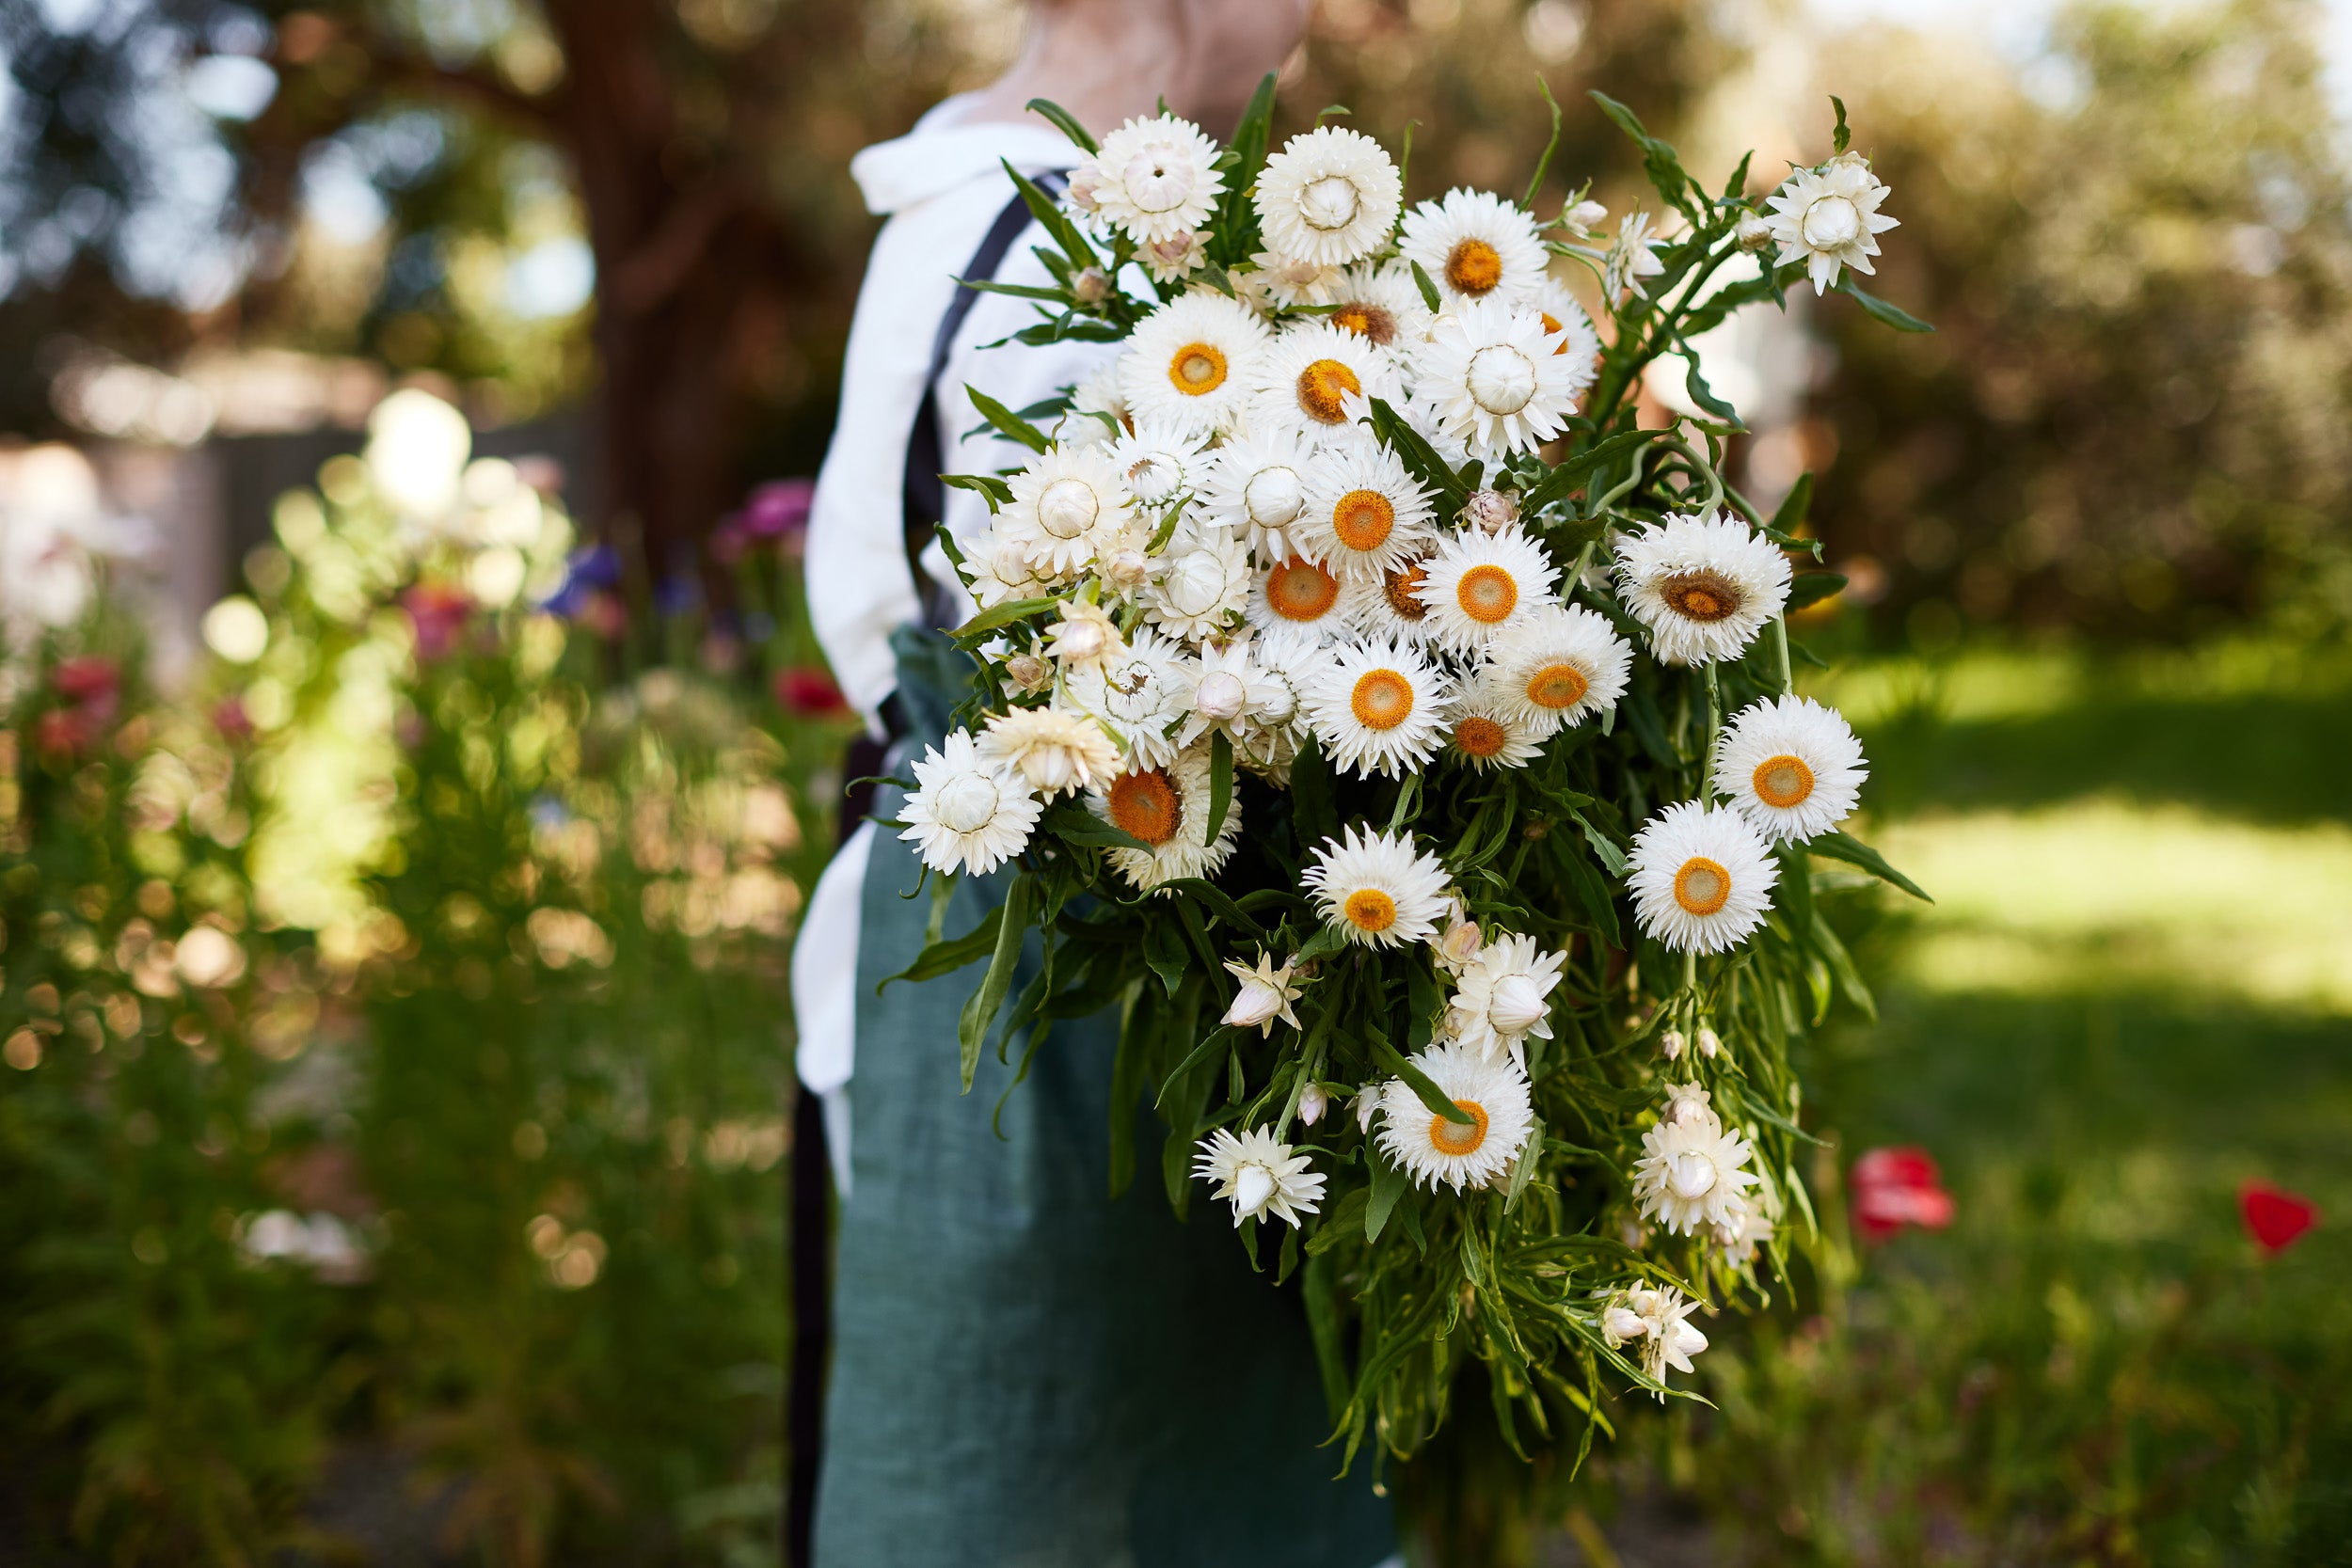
(1896,1187)
(2274,1216)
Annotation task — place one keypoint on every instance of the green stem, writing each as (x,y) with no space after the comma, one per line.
(1714,732)
(1788,678)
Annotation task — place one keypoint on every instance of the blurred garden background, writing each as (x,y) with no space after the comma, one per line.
(412,759)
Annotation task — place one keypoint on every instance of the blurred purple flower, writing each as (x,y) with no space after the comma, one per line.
(729,542)
(680,593)
(779,511)
(590,569)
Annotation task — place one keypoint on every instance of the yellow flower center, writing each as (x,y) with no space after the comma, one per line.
(1553,327)
(1473,267)
(1363,519)
(1324,388)
(1487,594)
(1369,910)
(1457,1138)
(1479,736)
(1701,595)
(1702,885)
(1783,780)
(1383,699)
(1398,589)
(1147,805)
(1557,685)
(1300,591)
(1196,369)
(1366,321)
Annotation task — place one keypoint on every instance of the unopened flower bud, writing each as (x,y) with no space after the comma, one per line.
(1254,1186)
(1367,1106)
(1584,216)
(1621,1324)
(1253,1007)
(1753,233)
(1710,1045)
(1127,570)
(1461,942)
(1690,1176)
(1490,511)
(1312,1103)
(1220,695)
(1518,1006)
(1671,1044)
(1030,673)
(1090,287)
(1075,641)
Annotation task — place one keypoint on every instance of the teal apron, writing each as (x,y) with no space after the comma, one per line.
(1026,1373)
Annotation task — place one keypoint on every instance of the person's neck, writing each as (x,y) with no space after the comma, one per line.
(1102,77)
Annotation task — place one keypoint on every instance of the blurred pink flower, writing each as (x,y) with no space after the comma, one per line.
(89,681)
(230,719)
(1895,1187)
(2274,1217)
(779,511)
(438,612)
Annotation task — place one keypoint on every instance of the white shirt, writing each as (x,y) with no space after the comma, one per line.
(941,187)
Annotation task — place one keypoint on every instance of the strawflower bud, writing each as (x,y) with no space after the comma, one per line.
(1028,672)
(1671,1044)
(1490,511)
(1090,287)
(1312,1103)
(1710,1044)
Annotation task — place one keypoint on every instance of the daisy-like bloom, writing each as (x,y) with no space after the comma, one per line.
(1703,586)
(1176,258)
(1085,639)
(1161,461)
(1191,362)
(1167,808)
(1064,507)
(1139,695)
(1260,1175)
(1378,890)
(1702,878)
(1379,708)
(1790,765)
(1330,197)
(1380,301)
(1492,376)
(1480,587)
(1098,411)
(1474,245)
(996,566)
(1562,667)
(966,813)
(1256,485)
(1489,730)
(1498,1001)
(1317,380)
(1691,1174)
(1632,257)
(1264,998)
(1154,178)
(1053,751)
(1431,1149)
(1202,583)
(1295,595)
(1388,605)
(1570,330)
(1829,217)
(1654,1317)
(1366,515)
(1226,689)
(1285,282)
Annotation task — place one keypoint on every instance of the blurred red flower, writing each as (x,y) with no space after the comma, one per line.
(2274,1216)
(1895,1187)
(438,613)
(230,719)
(808,691)
(88,681)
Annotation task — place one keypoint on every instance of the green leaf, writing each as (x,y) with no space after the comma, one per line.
(1659,159)
(997,493)
(1419,1082)
(1523,1169)
(1790,515)
(1603,845)
(1217,902)
(1314,818)
(1428,289)
(1557,485)
(1074,824)
(1841,965)
(979,1011)
(1048,213)
(1811,588)
(1221,781)
(1164,950)
(1893,315)
(1007,422)
(1840,136)
(1219,1038)
(1543,165)
(945,958)
(1138,1021)
(1694,383)
(1064,122)
(1387,1184)
(1418,454)
(1004,614)
(1840,845)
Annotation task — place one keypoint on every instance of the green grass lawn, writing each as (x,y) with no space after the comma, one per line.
(2133,993)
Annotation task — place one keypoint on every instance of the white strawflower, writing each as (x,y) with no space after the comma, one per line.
(1276,282)
(1192,362)
(967,814)
(1388,605)
(1139,695)
(1053,751)
(1086,638)
(1381,301)
(1377,890)
(1829,217)
(1202,585)
(1632,257)
(1329,196)
(1154,178)
(1098,410)
(1295,595)
(1498,999)
(1653,1319)
(1226,687)
(1312,1103)
(1366,515)
(1176,258)
(1317,381)
(1573,337)
(1256,485)
(1065,506)
(1701,879)
(1260,1175)
(1562,667)
(1692,1175)
(1429,1148)
(1161,461)
(1790,765)
(1474,245)
(1379,708)
(1703,586)
(1481,587)
(1167,808)
(1264,998)
(996,566)
(1495,379)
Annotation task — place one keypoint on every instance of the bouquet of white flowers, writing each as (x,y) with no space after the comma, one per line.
(1404,740)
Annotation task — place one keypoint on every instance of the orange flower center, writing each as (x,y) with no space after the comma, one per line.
(1557,687)
(1147,805)
(1479,736)
(1196,369)
(1702,885)
(1366,321)
(1324,389)
(1453,1137)
(1398,589)
(1383,699)
(1473,267)
(1368,909)
(1363,519)
(1553,326)
(1783,780)
(1701,595)
(1300,591)
(1487,594)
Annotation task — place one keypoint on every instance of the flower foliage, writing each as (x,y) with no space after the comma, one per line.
(1395,658)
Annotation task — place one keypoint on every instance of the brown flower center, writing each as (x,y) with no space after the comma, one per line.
(1196,369)
(1399,588)
(1479,736)
(1374,322)
(1363,519)
(1783,780)
(1702,886)
(1324,389)
(1702,595)
(1382,700)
